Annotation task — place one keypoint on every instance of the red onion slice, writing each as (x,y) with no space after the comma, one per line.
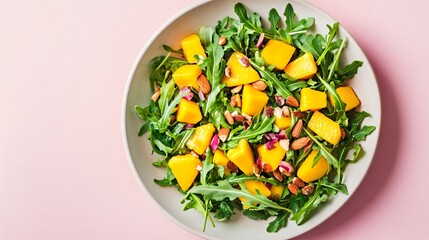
(201,95)
(270,145)
(286,168)
(186,90)
(259,162)
(281,135)
(214,143)
(260,40)
(245,126)
(188,96)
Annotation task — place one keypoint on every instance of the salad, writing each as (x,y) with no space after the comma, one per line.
(255,119)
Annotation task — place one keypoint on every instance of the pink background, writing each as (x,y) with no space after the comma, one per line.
(63,171)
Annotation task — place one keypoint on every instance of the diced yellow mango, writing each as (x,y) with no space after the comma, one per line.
(186,76)
(308,173)
(276,191)
(277,53)
(192,46)
(348,96)
(312,99)
(252,186)
(325,127)
(282,122)
(304,67)
(188,112)
(273,157)
(242,157)
(200,138)
(220,158)
(185,169)
(253,100)
(239,74)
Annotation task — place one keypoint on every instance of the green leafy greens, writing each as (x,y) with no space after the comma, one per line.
(221,188)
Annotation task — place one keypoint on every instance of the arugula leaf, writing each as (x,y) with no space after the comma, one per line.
(171,50)
(357,148)
(357,119)
(336,187)
(241,12)
(224,212)
(161,68)
(180,141)
(207,167)
(196,203)
(256,214)
(311,43)
(278,223)
(206,34)
(295,85)
(233,179)
(148,114)
(214,65)
(260,125)
(362,133)
(167,108)
(313,203)
(167,92)
(333,67)
(273,18)
(323,150)
(224,190)
(169,180)
(349,71)
(296,27)
(161,143)
(339,105)
(332,33)
(271,77)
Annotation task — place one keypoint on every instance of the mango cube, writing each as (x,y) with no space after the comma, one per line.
(273,156)
(186,76)
(308,173)
(282,122)
(277,53)
(304,67)
(348,96)
(242,157)
(185,169)
(325,127)
(200,139)
(276,191)
(219,158)
(253,100)
(253,186)
(192,46)
(312,99)
(239,74)
(188,112)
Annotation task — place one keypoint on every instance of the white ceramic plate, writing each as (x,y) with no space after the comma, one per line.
(138,93)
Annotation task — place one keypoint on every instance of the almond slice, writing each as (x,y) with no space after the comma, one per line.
(299,143)
(204,84)
(297,129)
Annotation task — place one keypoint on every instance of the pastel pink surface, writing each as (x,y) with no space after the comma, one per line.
(63,169)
